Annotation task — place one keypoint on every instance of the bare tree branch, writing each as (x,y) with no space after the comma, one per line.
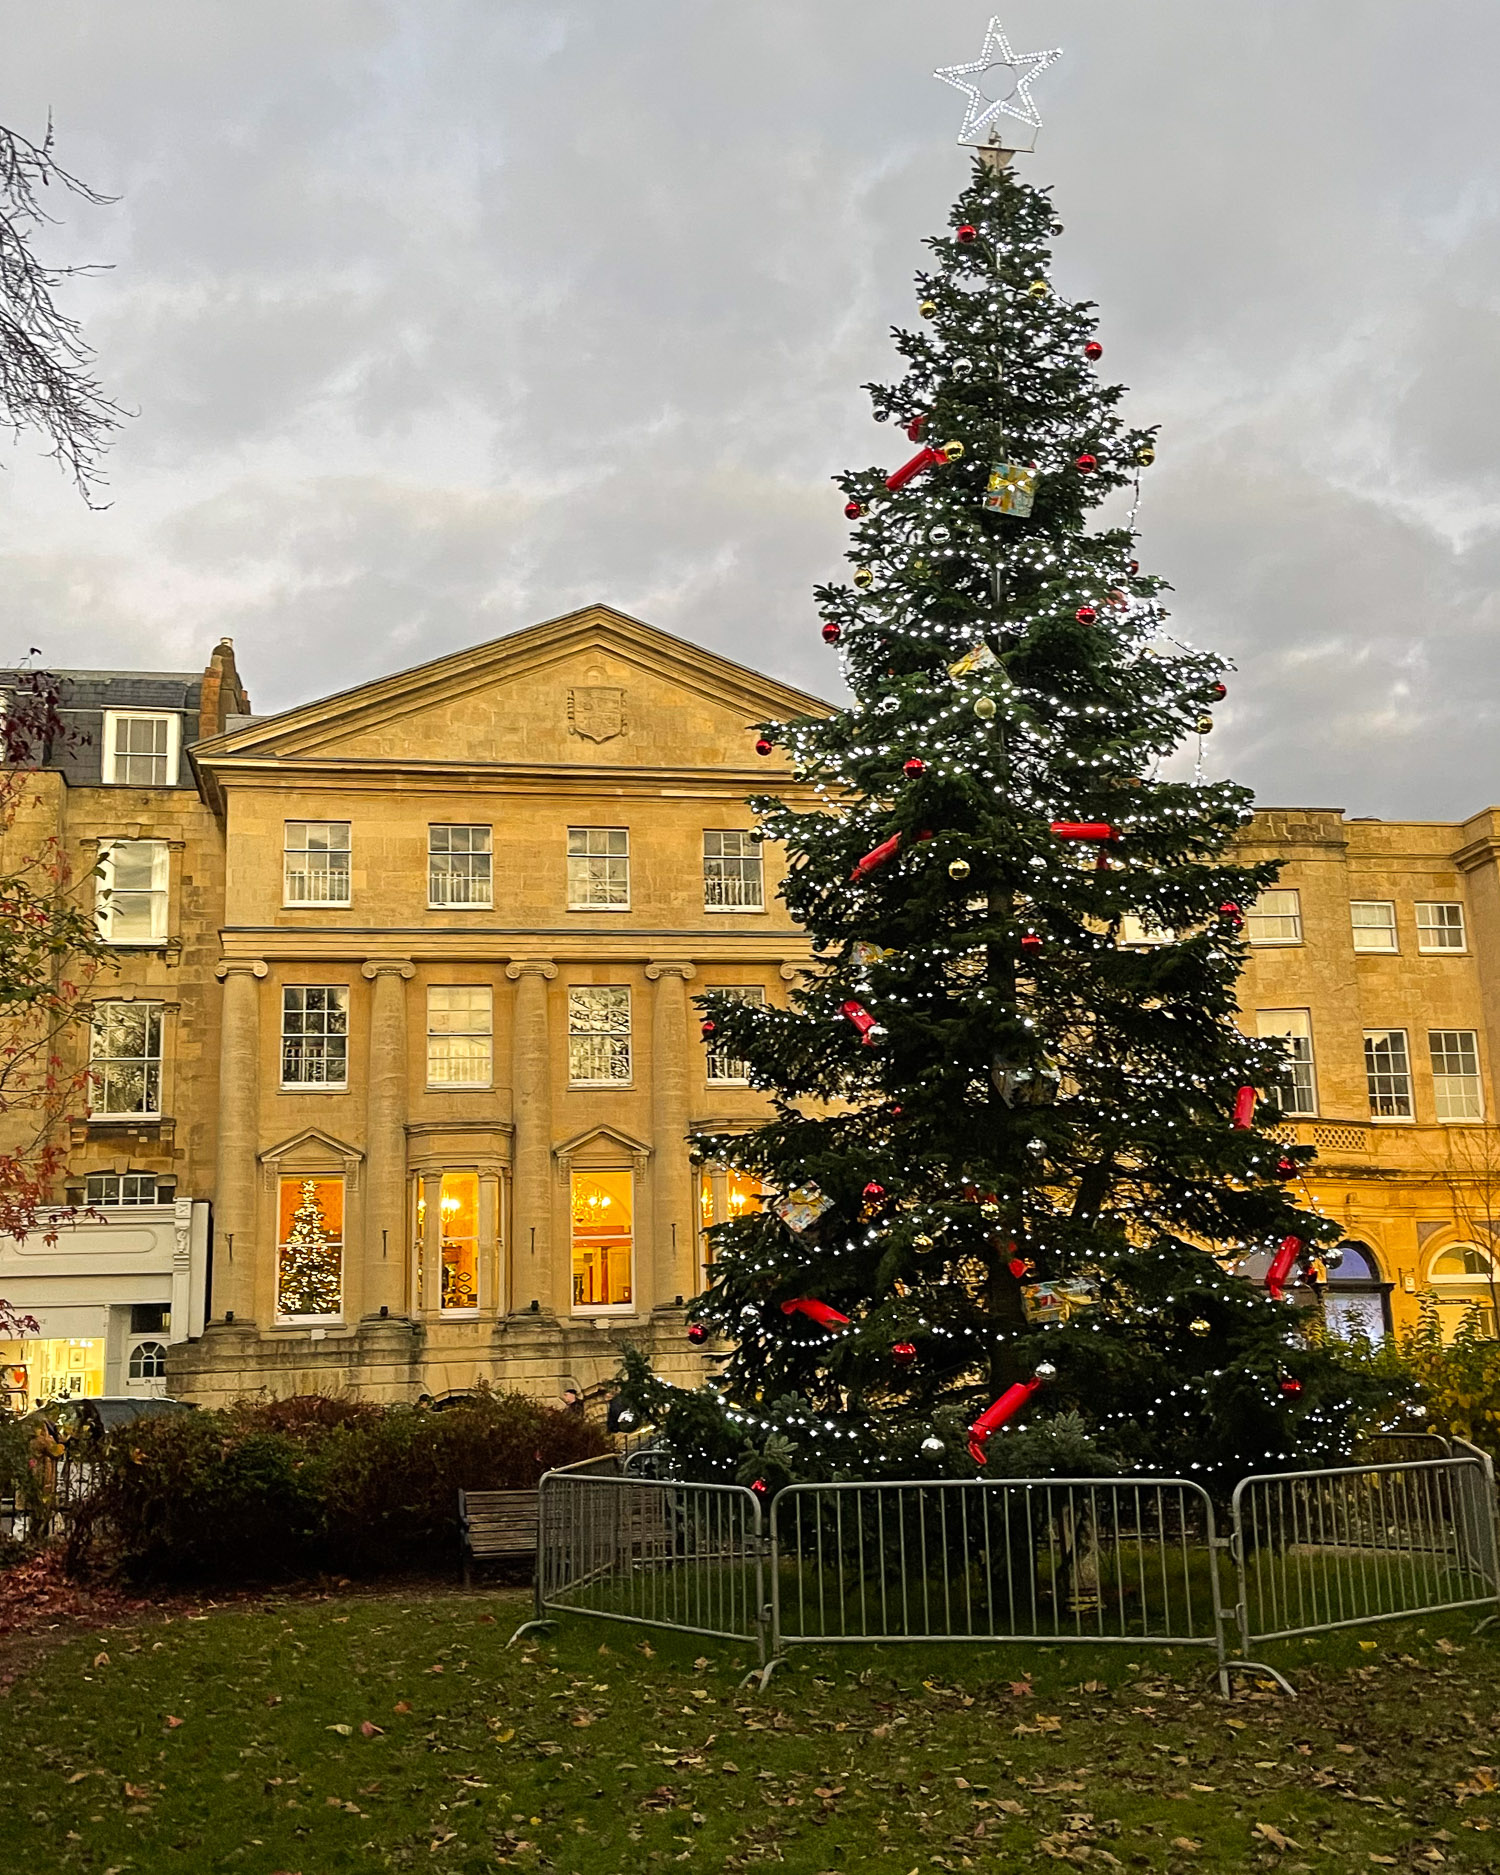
(46,365)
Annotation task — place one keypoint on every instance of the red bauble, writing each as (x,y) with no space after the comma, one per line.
(913,766)
(914,428)
(1231,913)
(1218,693)
(1118,599)
(1135,566)
(764,745)
(706,1026)
(759,1487)
(1086,464)
(1093,349)
(1291,1386)
(1287,1168)
(966,233)
(1030,941)
(832,632)
(873,1192)
(904,1353)
(853,510)
(1018,1267)
(1086,615)
(895,1113)
(697,1334)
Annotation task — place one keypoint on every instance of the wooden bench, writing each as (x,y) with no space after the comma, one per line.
(496,1525)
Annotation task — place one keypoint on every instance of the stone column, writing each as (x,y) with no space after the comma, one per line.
(235,1211)
(382,1276)
(672,1270)
(534,1275)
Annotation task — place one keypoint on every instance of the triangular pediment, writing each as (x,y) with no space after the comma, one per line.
(601,1146)
(594,689)
(312,1151)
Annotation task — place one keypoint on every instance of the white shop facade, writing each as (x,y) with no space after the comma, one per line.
(109,1296)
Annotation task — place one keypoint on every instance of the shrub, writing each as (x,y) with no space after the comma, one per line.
(297,1486)
(1459,1379)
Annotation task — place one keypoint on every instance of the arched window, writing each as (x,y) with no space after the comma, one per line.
(1463,1277)
(1356,1302)
(1460,1263)
(148,1360)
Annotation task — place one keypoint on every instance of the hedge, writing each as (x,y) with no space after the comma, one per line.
(313,1484)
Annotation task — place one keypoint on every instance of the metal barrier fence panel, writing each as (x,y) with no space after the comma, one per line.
(656,1552)
(1330,1549)
(1081,1559)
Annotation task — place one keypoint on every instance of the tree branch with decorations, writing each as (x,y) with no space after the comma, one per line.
(1015,1147)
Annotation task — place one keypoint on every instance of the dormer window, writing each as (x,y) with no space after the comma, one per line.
(141,748)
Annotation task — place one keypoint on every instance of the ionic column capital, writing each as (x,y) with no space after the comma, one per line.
(241,966)
(401,967)
(530,967)
(684,970)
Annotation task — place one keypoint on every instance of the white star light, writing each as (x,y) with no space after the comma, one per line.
(1023,66)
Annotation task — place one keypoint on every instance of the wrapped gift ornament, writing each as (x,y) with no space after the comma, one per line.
(801,1208)
(1012,488)
(981,658)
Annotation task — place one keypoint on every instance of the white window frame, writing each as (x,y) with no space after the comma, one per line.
(584,1027)
(113,756)
(322,1085)
(106,893)
(727,883)
(1425,931)
(153,1012)
(436,992)
(1360,931)
(1459,1278)
(1292,1026)
(580,881)
(716,1058)
(1258,914)
(436,898)
(1390,1119)
(305,871)
(158,1347)
(103,1180)
(1137,933)
(1444,1080)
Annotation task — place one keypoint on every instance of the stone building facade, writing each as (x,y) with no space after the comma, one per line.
(397,1073)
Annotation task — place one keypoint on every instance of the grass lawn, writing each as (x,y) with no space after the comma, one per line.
(383,1731)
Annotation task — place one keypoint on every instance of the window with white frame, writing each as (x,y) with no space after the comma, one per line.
(598,869)
(1295,1094)
(733,873)
(1388,1074)
(125,1059)
(1275,918)
(1374,923)
(1455,1073)
(131,897)
(315,1035)
(148,1361)
(317,862)
(459,862)
(120,1188)
(598,1037)
(460,1035)
(726,1067)
(1440,927)
(141,748)
(1140,933)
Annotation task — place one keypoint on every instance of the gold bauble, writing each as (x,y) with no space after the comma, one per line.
(864,576)
(1146,457)
(959,869)
(984,709)
(928,309)
(1038,289)
(1197,1326)
(952,451)
(1204,724)
(922,1240)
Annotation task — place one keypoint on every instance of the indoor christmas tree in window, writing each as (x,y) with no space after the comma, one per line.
(1014,1150)
(310,1278)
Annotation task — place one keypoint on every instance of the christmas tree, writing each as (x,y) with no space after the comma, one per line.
(310,1277)
(1014,1152)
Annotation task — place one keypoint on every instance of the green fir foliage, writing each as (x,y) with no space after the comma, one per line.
(1043,1092)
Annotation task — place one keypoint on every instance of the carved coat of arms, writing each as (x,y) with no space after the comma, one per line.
(596,711)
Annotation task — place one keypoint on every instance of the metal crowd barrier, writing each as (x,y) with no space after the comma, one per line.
(656,1552)
(1319,1550)
(1132,1561)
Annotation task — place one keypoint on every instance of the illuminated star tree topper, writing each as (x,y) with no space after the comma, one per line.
(998,84)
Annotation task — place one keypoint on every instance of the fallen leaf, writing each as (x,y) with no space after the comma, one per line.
(101,1660)
(1388,1861)
(1022,1689)
(78,1777)
(344,1731)
(1268,1832)
(437,1669)
(401,1706)
(172,1724)
(1186,1845)
(137,1791)
(368,1730)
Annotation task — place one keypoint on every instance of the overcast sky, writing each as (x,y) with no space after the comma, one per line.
(445,316)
